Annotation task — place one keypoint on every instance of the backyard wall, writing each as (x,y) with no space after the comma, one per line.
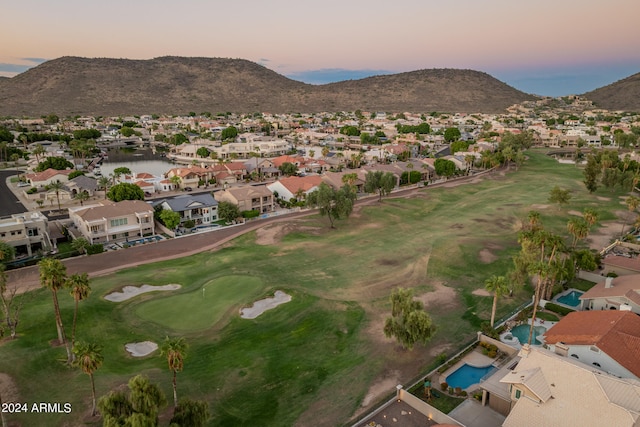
(426,409)
(164,229)
(592,277)
(501,346)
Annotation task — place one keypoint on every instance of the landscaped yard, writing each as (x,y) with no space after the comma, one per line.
(314,360)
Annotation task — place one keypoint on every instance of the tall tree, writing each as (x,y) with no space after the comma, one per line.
(11,305)
(559,196)
(190,413)
(79,289)
(632,203)
(88,357)
(56,186)
(82,196)
(379,182)
(409,323)
(7,252)
(125,191)
(335,204)
(139,407)
(175,350)
(53,276)
(498,286)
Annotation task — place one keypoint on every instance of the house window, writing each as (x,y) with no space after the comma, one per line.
(518,394)
(594,349)
(118,222)
(596,364)
(575,356)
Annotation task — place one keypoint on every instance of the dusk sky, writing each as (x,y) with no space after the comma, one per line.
(547,47)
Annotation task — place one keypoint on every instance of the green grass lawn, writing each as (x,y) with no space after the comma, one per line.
(197,310)
(315,357)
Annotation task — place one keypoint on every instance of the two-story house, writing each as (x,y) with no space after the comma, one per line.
(109,221)
(26,232)
(251,197)
(202,209)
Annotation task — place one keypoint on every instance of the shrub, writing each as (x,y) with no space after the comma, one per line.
(558,309)
(444,386)
(492,354)
(250,214)
(189,223)
(32,190)
(458,391)
(96,248)
(463,393)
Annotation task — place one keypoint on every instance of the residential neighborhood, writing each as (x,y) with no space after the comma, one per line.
(570,351)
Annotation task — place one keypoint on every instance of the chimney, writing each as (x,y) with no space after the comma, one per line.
(524,351)
(608,282)
(562,349)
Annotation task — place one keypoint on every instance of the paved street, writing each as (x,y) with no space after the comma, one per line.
(9,203)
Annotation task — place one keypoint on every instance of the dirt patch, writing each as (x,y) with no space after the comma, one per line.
(575,213)
(604,199)
(481,292)
(606,233)
(273,234)
(486,256)
(539,206)
(129,292)
(442,297)
(8,388)
(381,387)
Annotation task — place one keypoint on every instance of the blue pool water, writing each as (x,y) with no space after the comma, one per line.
(571,299)
(522,333)
(467,375)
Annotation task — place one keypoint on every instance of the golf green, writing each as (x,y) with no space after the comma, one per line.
(202,307)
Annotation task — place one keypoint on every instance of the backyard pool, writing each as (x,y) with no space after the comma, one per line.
(572,299)
(522,333)
(467,375)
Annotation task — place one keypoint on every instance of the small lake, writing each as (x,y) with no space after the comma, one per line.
(137,160)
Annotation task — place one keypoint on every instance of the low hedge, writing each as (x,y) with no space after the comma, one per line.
(558,308)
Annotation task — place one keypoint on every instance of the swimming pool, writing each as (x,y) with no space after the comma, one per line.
(467,375)
(522,333)
(572,299)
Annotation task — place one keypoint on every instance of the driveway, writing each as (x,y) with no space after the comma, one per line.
(9,203)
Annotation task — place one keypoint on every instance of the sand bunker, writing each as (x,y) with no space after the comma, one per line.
(141,349)
(131,291)
(481,292)
(263,305)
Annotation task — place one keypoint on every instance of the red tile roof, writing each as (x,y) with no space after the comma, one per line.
(617,333)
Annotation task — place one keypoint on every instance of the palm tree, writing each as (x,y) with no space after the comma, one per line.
(175,180)
(53,276)
(175,350)
(578,228)
(591,216)
(83,196)
(79,290)
(38,151)
(57,186)
(497,285)
(632,203)
(104,182)
(88,357)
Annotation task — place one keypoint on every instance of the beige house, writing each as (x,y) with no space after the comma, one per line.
(258,198)
(26,232)
(549,389)
(619,293)
(44,178)
(109,221)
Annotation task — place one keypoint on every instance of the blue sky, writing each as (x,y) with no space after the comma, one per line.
(548,47)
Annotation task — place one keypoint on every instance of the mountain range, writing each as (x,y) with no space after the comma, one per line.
(179,85)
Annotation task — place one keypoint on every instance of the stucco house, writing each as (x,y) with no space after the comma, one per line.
(46,177)
(619,293)
(295,186)
(250,197)
(26,232)
(608,340)
(549,389)
(108,221)
(202,209)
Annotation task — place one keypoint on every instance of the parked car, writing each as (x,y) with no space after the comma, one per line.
(188,189)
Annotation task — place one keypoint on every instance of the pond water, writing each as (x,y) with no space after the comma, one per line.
(137,160)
